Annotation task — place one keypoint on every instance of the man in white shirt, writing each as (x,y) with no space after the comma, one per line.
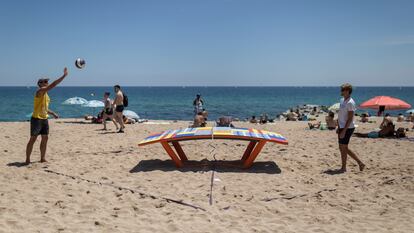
(346,126)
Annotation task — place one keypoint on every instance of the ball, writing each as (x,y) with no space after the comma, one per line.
(80,63)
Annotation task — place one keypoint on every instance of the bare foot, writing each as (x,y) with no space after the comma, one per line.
(361,167)
(43,161)
(27,161)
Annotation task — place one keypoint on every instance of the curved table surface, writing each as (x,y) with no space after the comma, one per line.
(214,133)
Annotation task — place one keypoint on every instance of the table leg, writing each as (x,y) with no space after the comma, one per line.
(180,151)
(250,159)
(248,150)
(172,154)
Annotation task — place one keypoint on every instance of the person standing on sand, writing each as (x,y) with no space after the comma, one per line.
(346,126)
(108,110)
(119,107)
(39,124)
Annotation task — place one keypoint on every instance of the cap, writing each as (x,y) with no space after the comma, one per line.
(42,80)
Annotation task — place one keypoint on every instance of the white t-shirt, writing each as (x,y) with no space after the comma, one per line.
(345,107)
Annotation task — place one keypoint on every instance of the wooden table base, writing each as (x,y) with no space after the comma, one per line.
(178,156)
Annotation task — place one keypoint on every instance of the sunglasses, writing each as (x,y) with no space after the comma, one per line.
(43,82)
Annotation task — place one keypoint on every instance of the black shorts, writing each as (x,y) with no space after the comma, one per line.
(39,127)
(119,108)
(348,134)
(109,111)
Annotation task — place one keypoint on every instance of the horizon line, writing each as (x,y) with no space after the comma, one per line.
(205,86)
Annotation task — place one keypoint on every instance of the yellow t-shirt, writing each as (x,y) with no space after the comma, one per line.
(41,107)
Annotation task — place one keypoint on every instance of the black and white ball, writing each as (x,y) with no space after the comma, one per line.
(80,63)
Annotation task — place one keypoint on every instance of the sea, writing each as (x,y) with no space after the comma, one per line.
(175,103)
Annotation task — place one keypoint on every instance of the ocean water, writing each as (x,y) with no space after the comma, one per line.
(175,103)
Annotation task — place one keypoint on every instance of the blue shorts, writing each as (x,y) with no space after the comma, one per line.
(348,134)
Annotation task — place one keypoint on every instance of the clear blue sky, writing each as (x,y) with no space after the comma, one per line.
(194,42)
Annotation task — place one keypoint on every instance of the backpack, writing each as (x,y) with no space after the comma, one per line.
(125,101)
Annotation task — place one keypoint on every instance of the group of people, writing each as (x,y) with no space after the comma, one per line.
(113,110)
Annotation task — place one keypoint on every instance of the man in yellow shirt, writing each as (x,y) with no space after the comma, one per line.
(39,124)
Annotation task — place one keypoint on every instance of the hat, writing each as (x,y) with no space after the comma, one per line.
(42,80)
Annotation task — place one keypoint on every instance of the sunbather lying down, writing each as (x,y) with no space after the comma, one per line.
(387,131)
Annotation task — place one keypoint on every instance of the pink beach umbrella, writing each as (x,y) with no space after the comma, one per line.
(389,103)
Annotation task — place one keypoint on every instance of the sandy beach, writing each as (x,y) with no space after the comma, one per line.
(98,181)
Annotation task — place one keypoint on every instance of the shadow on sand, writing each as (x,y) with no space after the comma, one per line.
(333,172)
(81,122)
(17,164)
(206,165)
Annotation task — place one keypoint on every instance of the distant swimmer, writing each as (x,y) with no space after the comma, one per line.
(198,104)
(39,124)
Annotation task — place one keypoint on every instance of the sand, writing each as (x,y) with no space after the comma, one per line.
(99,181)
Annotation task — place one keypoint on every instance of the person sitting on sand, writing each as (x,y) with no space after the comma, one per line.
(98,119)
(253,120)
(400,118)
(108,111)
(410,117)
(205,115)
(225,121)
(330,122)
(386,121)
(264,118)
(39,124)
(292,116)
(199,121)
(314,111)
(364,118)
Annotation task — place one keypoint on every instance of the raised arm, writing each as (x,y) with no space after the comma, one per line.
(49,87)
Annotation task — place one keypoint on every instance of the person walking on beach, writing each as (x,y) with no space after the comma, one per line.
(198,104)
(119,107)
(39,124)
(108,111)
(346,126)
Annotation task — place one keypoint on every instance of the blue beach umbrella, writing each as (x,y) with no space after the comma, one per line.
(410,111)
(75,101)
(131,114)
(94,104)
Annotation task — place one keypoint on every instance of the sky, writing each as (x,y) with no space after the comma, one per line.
(208,43)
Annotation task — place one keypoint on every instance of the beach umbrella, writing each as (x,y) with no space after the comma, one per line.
(390,103)
(410,111)
(94,104)
(131,114)
(334,107)
(75,101)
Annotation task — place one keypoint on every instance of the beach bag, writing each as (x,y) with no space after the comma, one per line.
(125,101)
